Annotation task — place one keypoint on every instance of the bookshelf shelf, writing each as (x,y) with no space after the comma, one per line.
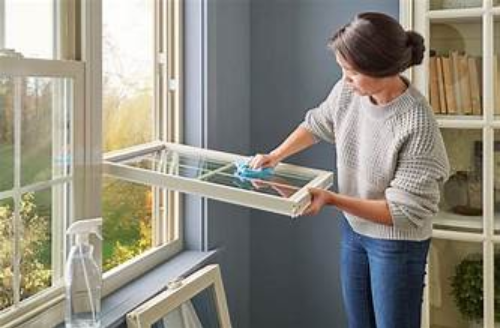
(461,122)
(460,76)
(451,221)
(455,14)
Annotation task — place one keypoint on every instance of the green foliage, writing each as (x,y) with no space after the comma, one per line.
(127,120)
(467,287)
(35,272)
(127,221)
(123,253)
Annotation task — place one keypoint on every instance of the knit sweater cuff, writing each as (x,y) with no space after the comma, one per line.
(313,132)
(399,219)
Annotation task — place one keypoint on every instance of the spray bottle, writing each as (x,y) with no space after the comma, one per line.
(83,277)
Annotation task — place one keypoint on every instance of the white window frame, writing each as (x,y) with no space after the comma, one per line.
(20,68)
(48,304)
(115,164)
(180,292)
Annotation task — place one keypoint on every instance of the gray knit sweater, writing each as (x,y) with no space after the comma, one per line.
(393,151)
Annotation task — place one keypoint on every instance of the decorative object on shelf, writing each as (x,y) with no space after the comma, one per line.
(478,168)
(457,193)
(467,287)
(457,4)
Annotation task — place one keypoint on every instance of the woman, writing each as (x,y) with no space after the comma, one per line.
(391,162)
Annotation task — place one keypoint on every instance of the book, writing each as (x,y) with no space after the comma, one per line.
(464,82)
(449,87)
(433,85)
(441,90)
(496,85)
(455,79)
(475,85)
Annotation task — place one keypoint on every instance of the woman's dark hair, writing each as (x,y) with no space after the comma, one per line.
(377,45)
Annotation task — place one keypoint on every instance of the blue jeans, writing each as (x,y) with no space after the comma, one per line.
(382,280)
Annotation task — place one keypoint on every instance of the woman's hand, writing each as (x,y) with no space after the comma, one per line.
(319,198)
(264,160)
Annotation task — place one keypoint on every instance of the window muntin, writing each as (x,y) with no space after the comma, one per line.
(211,174)
(68,44)
(217,171)
(34,212)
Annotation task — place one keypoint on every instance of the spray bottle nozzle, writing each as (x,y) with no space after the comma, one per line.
(83,228)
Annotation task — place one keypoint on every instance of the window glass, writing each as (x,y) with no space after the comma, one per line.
(34,204)
(128,73)
(35,40)
(6,253)
(6,133)
(128,102)
(127,208)
(44,117)
(35,235)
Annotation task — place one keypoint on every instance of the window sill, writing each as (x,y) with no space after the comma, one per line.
(116,305)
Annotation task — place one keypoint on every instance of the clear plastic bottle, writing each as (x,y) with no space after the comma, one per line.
(83,278)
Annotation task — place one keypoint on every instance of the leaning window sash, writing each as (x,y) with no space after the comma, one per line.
(67,188)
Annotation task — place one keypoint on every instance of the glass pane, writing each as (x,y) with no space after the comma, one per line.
(496,282)
(6,133)
(199,312)
(45,129)
(455,68)
(6,253)
(454,4)
(282,184)
(35,40)
(36,242)
(461,198)
(128,73)
(455,283)
(127,212)
(496,181)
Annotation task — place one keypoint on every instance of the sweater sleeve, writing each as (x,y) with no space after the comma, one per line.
(414,192)
(319,120)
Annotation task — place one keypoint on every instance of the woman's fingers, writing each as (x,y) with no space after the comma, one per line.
(257,161)
(315,205)
(261,160)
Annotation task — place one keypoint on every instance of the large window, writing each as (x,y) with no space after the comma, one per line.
(40,97)
(47,160)
(140,105)
(39,101)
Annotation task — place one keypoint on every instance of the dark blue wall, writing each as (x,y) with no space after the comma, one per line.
(294,264)
(218,117)
(249,82)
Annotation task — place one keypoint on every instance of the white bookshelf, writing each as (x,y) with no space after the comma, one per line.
(472,28)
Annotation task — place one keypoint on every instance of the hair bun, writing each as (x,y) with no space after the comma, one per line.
(416,42)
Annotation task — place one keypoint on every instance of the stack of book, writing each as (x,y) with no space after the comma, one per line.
(455,84)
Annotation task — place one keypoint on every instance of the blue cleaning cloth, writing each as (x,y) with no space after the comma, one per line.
(244,171)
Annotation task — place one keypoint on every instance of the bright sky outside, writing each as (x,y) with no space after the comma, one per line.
(127,29)
(28,27)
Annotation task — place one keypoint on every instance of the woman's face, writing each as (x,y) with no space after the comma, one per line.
(362,84)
